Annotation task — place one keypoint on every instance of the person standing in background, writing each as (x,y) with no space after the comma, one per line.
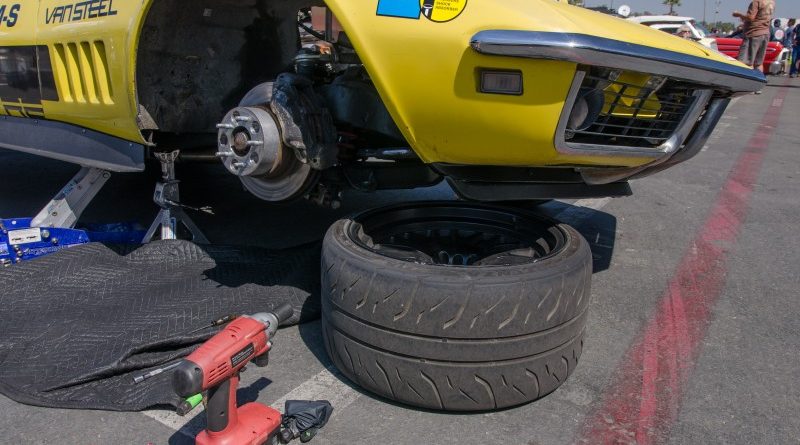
(776,33)
(756,22)
(737,33)
(788,41)
(795,51)
(788,37)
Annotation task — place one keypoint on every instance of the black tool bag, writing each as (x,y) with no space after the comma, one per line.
(303,418)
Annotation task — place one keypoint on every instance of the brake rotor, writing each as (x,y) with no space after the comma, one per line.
(250,147)
(295,182)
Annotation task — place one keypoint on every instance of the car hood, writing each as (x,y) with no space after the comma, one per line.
(562,17)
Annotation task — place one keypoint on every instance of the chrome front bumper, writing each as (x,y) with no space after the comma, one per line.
(598,51)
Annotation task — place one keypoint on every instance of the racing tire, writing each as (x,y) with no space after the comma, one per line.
(454,331)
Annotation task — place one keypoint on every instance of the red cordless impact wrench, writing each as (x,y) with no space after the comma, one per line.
(215,366)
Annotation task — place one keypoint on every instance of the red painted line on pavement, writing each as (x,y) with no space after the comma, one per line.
(644,398)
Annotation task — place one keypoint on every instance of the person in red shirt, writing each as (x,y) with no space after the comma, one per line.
(756,23)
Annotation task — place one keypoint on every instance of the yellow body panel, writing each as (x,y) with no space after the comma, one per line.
(94,67)
(425,72)
(93,61)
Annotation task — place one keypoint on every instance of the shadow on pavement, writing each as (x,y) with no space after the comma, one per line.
(293,272)
(598,227)
(242,219)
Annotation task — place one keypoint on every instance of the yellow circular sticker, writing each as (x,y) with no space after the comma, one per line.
(442,10)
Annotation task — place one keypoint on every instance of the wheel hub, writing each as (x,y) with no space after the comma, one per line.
(240,140)
(250,143)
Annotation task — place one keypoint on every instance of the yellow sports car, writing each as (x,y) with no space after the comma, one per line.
(519,99)
(450,306)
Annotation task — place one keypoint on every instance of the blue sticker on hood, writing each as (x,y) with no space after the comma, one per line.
(408,9)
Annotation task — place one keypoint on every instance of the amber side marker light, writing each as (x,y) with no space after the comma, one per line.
(501,82)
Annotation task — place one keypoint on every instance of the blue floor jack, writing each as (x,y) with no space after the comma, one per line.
(54,227)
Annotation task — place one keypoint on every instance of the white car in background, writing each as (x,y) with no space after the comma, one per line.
(670,24)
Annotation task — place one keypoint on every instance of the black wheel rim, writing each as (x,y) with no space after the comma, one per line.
(457,234)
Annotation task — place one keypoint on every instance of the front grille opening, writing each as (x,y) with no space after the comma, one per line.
(628,109)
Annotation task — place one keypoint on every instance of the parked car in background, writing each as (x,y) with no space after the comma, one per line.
(671,24)
(775,61)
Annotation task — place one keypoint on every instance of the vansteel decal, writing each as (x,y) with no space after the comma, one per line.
(79,11)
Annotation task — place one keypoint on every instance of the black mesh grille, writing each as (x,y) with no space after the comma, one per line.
(633,115)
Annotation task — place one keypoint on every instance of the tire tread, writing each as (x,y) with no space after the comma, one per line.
(407,302)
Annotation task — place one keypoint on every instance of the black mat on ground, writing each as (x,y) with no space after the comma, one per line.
(76,326)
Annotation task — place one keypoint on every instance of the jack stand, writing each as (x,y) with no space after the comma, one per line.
(68,205)
(53,228)
(167,196)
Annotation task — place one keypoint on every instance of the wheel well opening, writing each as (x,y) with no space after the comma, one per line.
(196,60)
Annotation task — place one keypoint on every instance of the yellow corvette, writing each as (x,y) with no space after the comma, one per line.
(448,306)
(507,100)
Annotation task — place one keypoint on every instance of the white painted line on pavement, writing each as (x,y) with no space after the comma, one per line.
(593,203)
(174,421)
(582,209)
(328,385)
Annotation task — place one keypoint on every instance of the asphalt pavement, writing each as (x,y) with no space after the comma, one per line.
(694,328)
